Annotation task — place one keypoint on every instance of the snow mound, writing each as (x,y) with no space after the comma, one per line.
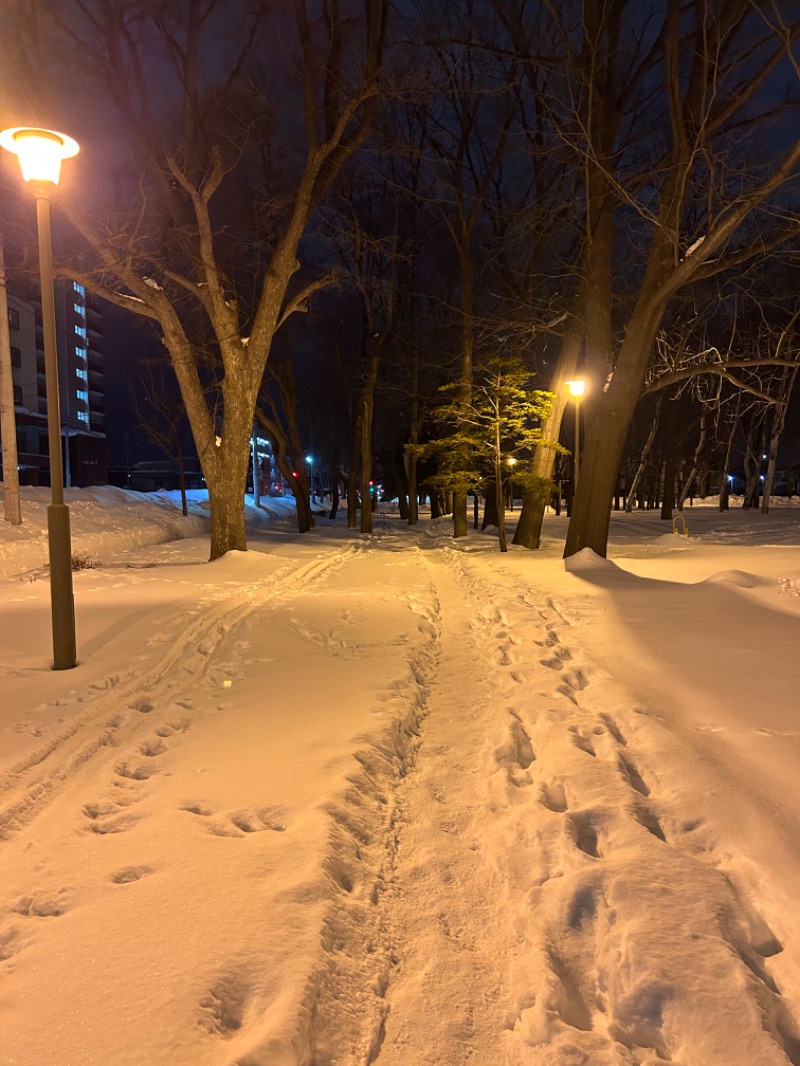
(673,540)
(739,578)
(587,559)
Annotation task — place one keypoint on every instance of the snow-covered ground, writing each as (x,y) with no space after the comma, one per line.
(401,801)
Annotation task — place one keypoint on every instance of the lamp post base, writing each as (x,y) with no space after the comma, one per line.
(61,596)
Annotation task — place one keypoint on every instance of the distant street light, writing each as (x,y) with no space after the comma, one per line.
(512,462)
(310,461)
(577,389)
(40,153)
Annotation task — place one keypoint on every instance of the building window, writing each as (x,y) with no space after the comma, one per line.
(81,291)
(13,318)
(82,395)
(18,394)
(82,374)
(80,353)
(83,416)
(79,309)
(16,356)
(81,331)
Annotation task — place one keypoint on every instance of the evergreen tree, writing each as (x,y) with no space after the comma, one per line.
(502,422)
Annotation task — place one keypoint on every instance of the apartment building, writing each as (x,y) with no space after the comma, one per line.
(79,334)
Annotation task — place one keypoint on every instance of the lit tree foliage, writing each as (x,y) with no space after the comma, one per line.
(502,422)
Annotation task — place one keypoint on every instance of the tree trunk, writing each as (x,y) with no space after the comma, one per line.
(778,422)
(8,426)
(698,451)
(409,454)
(297,486)
(499,499)
(352,476)
(225,498)
(607,429)
(724,482)
(467,275)
(367,409)
(182,478)
(403,504)
(531,517)
(752,466)
(335,467)
(490,512)
(670,429)
(640,469)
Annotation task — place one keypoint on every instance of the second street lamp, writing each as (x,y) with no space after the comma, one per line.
(40,153)
(576,391)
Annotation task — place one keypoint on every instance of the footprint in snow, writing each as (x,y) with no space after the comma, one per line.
(584,833)
(222,1009)
(134,773)
(582,741)
(128,874)
(105,683)
(143,705)
(242,823)
(171,728)
(613,729)
(40,907)
(151,748)
(517,752)
(632,775)
(550,640)
(556,661)
(554,797)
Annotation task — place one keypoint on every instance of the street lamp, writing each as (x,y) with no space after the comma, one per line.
(512,462)
(40,153)
(310,461)
(577,389)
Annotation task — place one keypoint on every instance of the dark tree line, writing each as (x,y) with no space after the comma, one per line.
(328,234)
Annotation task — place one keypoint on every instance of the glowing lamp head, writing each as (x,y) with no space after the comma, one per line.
(577,388)
(40,151)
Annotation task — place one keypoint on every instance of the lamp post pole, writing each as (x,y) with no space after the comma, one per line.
(40,153)
(58,524)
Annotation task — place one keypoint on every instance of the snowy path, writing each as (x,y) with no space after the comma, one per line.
(546,913)
(390,801)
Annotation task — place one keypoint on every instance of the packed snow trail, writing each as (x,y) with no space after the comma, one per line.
(543,914)
(346,801)
(37,779)
(178,836)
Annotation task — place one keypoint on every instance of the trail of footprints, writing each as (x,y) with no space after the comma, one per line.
(585,826)
(116,813)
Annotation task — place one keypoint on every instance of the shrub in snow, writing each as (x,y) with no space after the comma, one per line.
(82,561)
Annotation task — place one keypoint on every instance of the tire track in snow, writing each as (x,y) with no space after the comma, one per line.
(120,715)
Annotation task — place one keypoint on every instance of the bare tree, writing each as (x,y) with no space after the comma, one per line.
(12,511)
(701,196)
(160,414)
(199,244)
